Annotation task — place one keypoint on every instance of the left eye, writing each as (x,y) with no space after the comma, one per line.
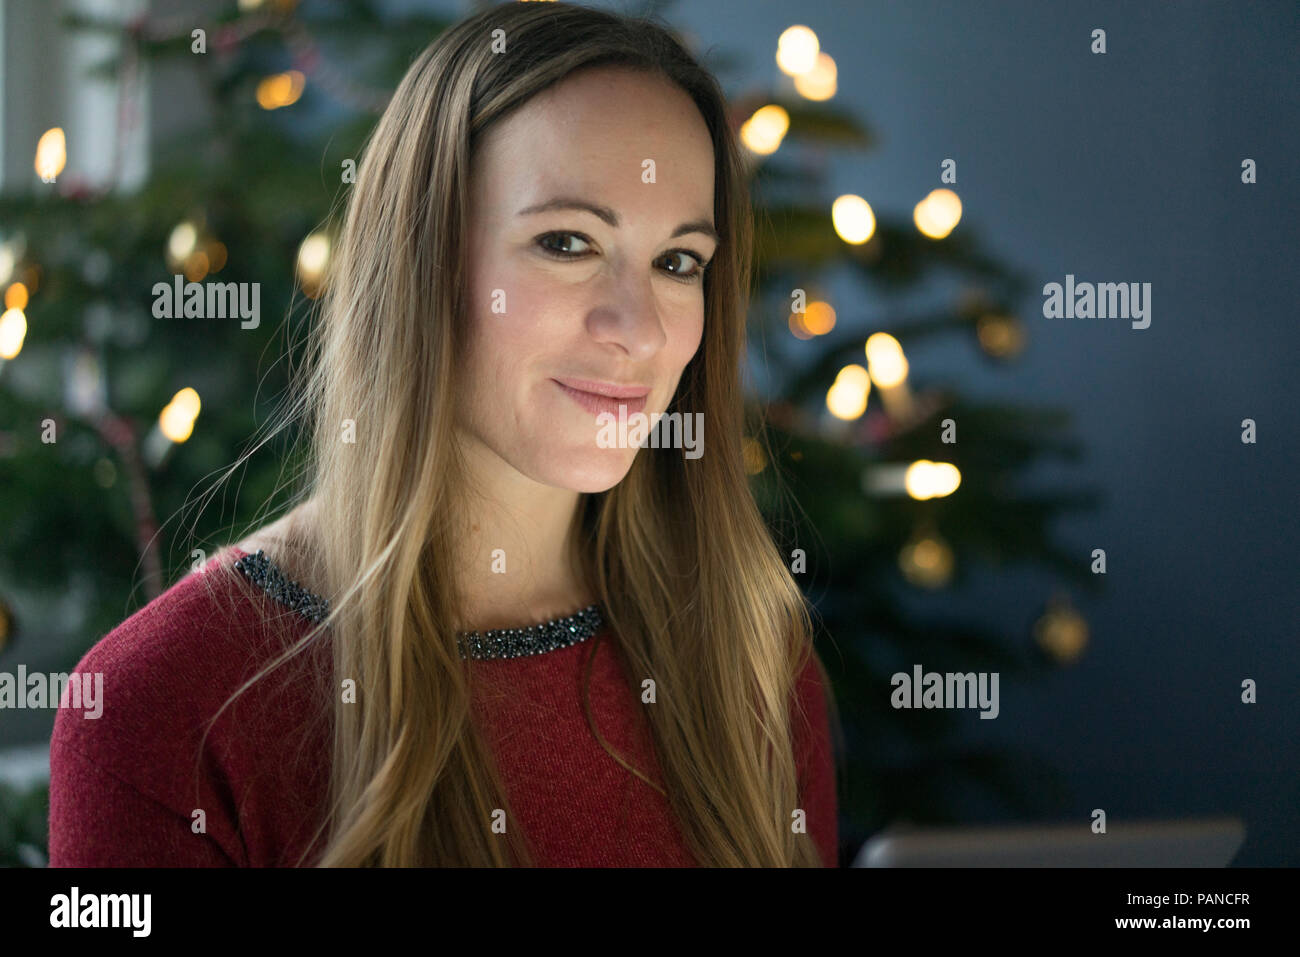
(700,264)
(549,241)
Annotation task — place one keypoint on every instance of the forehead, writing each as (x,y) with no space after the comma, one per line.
(591,135)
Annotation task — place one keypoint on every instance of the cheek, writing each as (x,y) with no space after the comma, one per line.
(508,324)
(687,338)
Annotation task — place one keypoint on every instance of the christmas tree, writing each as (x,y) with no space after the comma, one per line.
(879,483)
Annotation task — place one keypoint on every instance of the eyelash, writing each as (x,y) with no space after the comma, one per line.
(695,277)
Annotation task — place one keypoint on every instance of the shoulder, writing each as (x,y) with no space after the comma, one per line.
(812,690)
(212,615)
(195,623)
(166,670)
(811,717)
(289,540)
(815,738)
(178,726)
(814,719)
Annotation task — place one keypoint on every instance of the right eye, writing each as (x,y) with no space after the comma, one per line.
(543,242)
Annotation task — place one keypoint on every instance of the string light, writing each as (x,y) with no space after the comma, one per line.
(176,421)
(938,214)
(888,367)
(927,561)
(819,318)
(181,243)
(847,397)
(754,457)
(313,263)
(763,132)
(999,335)
(819,83)
(1061,632)
(51,154)
(925,479)
(280,90)
(853,219)
(797,327)
(796,50)
(16,296)
(885,360)
(13,330)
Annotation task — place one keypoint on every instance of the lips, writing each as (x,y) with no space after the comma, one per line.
(597,397)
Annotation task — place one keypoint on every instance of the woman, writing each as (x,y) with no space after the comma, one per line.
(549,223)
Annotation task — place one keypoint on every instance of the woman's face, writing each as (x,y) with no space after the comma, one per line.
(567,295)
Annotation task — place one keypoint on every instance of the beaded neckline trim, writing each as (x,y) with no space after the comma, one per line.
(533,640)
(266,575)
(480,646)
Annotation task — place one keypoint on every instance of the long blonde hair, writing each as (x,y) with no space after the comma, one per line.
(700,601)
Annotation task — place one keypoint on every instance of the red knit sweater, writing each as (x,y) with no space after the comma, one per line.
(124,787)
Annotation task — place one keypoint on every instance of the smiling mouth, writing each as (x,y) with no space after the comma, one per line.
(610,399)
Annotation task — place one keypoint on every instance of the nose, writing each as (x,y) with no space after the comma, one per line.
(628,317)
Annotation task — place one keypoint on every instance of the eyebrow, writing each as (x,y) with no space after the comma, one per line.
(608,215)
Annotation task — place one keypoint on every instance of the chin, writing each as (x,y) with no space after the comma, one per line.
(589,472)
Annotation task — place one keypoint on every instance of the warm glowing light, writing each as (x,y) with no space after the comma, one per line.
(196,266)
(1000,336)
(313,264)
(16,296)
(763,132)
(938,214)
(216,253)
(926,479)
(854,375)
(1062,632)
(176,421)
(885,360)
(927,561)
(282,89)
(796,50)
(819,83)
(853,219)
(819,318)
(847,397)
(51,154)
(313,258)
(797,327)
(755,458)
(187,400)
(175,425)
(181,243)
(13,330)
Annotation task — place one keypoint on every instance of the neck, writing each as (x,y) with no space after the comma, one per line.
(516,554)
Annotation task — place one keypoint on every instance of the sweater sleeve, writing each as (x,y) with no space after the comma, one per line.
(814,756)
(125,784)
(98,820)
